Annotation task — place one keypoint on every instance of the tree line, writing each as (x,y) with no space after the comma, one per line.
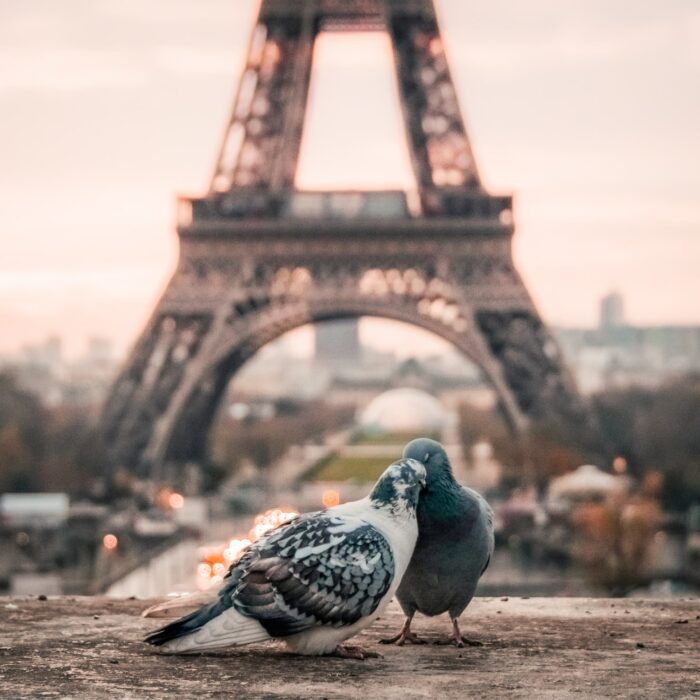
(654,429)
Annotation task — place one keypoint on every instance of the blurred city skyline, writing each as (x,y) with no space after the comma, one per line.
(585,111)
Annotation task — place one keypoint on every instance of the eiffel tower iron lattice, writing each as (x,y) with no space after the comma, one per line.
(259,257)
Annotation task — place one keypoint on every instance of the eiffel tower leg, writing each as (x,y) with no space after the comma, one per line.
(514,343)
(439,145)
(155,369)
(207,325)
(531,363)
(472,297)
(261,143)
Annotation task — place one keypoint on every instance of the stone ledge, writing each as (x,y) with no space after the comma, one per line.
(532,648)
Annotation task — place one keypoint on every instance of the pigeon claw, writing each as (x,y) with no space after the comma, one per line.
(405,635)
(471,642)
(403,638)
(347,651)
(459,640)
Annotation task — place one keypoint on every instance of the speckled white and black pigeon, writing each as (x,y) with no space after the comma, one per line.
(315,581)
(455,544)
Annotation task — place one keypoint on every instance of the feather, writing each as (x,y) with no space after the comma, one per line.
(182,605)
(230,628)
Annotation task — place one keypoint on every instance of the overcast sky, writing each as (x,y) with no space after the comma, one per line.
(587,110)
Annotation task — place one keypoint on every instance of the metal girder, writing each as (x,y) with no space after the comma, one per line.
(260,149)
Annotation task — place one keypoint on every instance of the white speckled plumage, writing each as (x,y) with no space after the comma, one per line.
(315,581)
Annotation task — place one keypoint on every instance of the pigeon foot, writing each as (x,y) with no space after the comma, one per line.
(347,651)
(459,640)
(405,635)
(403,638)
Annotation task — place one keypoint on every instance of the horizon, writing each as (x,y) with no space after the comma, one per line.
(392,337)
(583,112)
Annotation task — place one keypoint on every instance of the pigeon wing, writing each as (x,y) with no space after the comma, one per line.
(317,570)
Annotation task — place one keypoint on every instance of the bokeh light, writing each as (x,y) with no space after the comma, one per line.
(176,500)
(619,465)
(215,561)
(330,498)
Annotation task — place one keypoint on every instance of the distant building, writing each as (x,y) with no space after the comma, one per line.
(405,410)
(100,351)
(452,384)
(338,341)
(612,311)
(43,369)
(618,354)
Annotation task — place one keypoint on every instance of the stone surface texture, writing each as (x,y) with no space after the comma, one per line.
(532,648)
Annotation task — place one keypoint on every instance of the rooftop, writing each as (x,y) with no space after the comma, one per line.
(539,647)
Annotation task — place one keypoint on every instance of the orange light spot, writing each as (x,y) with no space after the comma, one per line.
(162,498)
(214,561)
(620,465)
(264,522)
(176,500)
(330,498)
(235,549)
(215,557)
(110,541)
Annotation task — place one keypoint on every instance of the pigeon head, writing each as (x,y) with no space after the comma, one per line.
(399,487)
(432,454)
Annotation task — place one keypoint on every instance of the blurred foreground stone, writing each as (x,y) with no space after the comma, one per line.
(534,648)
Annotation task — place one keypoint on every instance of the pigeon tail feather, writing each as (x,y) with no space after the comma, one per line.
(185,625)
(213,627)
(182,605)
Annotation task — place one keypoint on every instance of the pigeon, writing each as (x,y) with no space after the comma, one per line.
(455,545)
(315,581)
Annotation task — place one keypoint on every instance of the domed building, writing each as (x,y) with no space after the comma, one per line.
(404,410)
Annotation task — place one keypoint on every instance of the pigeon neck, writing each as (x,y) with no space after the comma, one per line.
(397,508)
(442,496)
(441,476)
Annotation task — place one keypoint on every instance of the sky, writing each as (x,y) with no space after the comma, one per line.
(586,110)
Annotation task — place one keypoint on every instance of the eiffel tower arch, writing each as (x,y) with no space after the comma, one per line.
(259,257)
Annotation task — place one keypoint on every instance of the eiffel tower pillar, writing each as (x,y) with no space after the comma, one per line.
(259,257)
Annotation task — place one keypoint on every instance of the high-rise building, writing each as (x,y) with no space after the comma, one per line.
(338,342)
(100,350)
(47,354)
(612,311)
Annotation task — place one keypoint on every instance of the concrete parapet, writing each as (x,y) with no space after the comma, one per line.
(532,648)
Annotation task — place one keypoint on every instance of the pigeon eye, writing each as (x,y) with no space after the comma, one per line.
(427,454)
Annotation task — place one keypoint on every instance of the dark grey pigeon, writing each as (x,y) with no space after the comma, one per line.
(455,544)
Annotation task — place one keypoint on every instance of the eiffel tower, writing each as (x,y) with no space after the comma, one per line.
(259,257)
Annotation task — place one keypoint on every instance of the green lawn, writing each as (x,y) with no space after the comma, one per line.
(360,468)
(363,438)
(343,468)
